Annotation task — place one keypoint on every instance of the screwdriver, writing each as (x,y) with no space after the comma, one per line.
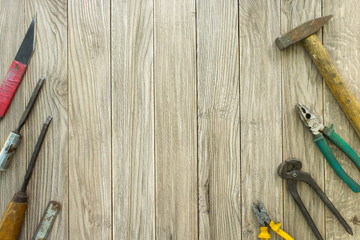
(11,222)
(14,138)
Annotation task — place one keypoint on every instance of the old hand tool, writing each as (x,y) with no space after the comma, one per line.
(17,68)
(290,171)
(264,220)
(11,222)
(341,91)
(319,130)
(13,140)
(47,221)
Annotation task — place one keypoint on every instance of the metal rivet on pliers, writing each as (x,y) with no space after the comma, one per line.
(319,131)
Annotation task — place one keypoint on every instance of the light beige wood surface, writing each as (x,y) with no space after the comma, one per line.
(218,120)
(171,117)
(301,83)
(260,111)
(90,161)
(133,167)
(14,29)
(175,120)
(342,39)
(50,180)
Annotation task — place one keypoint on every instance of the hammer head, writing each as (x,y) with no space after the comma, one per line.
(301,32)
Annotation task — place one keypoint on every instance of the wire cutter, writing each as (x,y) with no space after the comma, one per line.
(264,220)
(290,171)
(319,130)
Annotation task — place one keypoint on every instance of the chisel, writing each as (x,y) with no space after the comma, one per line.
(14,138)
(11,222)
(17,68)
(47,221)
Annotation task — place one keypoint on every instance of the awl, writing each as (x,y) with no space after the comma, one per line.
(14,138)
(11,222)
(17,68)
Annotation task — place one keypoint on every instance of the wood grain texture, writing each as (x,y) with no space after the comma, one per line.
(301,83)
(50,179)
(133,120)
(12,34)
(89,120)
(218,120)
(175,120)
(342,39)
(172,117)
(261,108)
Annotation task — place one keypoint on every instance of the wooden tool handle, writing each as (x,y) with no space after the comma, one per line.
(13,218)
(336,83)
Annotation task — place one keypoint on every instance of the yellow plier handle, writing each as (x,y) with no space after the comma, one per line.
(264,233)
(276,228)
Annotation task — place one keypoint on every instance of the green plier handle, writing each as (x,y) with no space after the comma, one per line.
(331,159)
(336,139)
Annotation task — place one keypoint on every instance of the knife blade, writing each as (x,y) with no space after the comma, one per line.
(17,68)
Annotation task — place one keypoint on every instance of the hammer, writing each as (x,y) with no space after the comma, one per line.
(305,34)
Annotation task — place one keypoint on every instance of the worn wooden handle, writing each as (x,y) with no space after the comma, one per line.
(13,218)
(10,85)
(333,79)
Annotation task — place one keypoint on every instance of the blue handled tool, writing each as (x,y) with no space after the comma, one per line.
(319,130)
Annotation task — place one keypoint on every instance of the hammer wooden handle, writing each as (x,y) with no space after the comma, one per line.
(333,79)
(12,220)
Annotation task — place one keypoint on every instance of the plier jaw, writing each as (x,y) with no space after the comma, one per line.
(266,223)
(290,170)
(261,214)
(310,119)
(320,131)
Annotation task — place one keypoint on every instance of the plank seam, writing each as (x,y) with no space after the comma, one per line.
(283,119)
(323,113)
(154,120)
(68,118)
(240,154)
(197,118)
(27,145)
(111,126)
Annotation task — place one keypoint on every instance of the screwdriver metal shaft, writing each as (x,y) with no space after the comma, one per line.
(13,218)
(14,138)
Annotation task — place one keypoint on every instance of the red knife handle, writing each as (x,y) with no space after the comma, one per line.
(10,85)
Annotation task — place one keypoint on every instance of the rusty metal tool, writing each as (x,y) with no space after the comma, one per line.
(11,222)
(290,171)
(17,68)
(318,130)
(47,221)
(14,138)
(265,222)
(305,34)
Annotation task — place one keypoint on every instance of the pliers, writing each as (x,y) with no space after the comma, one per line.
(264,220)
(319,130)
(290,171)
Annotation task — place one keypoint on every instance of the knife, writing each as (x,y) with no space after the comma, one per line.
(17,68)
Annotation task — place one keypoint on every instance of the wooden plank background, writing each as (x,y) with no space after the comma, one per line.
(171,117)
